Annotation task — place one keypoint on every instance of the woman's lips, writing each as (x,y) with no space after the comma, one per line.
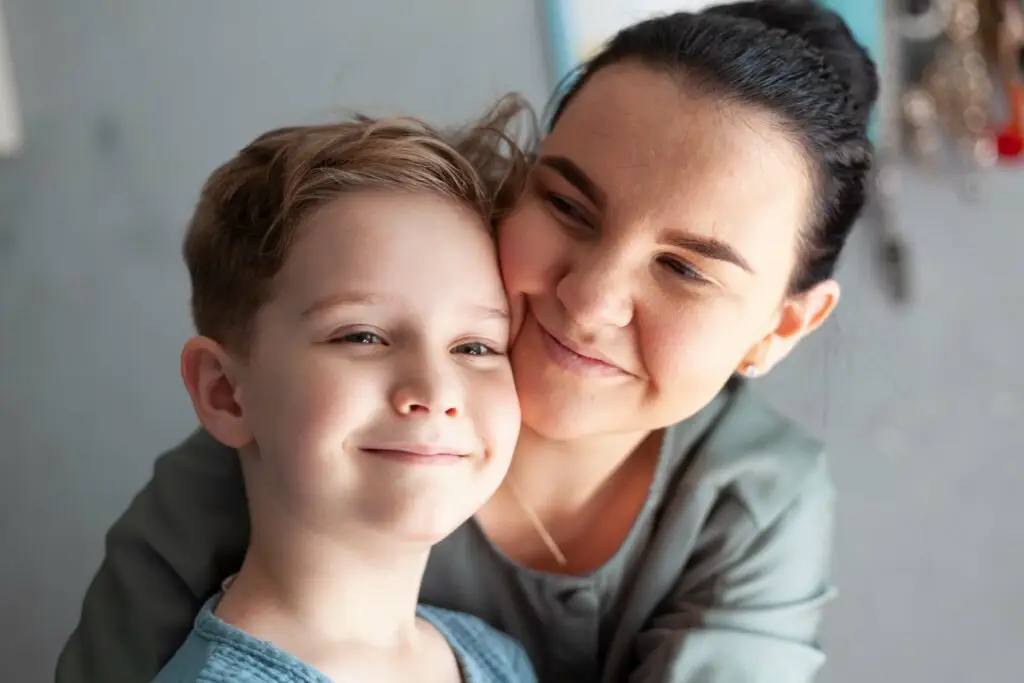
(573,361)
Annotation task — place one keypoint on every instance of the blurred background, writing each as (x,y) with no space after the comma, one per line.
(123,109)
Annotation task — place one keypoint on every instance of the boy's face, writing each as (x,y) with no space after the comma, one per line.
(377,389)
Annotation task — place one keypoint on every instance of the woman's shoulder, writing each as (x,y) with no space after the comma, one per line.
(199,446)
(201,463)
(748,448)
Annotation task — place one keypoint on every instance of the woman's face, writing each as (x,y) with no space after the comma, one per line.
(651,256)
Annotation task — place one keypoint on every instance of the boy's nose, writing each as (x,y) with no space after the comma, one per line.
(426,393)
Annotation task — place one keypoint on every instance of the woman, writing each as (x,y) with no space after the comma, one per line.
(682,225)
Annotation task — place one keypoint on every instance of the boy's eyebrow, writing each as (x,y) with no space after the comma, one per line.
(343,299)
(492,312)
(365,299)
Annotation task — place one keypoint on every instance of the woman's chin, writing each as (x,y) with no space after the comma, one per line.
(560,407)
(564,415)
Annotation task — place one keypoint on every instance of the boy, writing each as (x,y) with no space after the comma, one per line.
(352,338)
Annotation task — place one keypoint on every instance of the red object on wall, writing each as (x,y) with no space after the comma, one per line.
(1010,141)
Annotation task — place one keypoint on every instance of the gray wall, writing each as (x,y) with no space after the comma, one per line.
(129,105)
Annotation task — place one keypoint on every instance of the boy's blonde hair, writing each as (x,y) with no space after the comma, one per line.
(251,208)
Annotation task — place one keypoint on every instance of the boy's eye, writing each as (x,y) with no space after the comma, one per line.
(474,349)
(361,338)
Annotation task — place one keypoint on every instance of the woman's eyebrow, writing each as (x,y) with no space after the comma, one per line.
(711,248)
(576,177)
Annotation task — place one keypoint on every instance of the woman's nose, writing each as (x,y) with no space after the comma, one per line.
(596,292)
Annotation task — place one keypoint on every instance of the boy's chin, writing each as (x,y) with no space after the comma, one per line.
(416,521)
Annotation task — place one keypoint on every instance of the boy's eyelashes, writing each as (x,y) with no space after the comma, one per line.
(360,338)
(477,347)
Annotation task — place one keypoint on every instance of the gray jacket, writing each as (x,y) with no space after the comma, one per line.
(722,579)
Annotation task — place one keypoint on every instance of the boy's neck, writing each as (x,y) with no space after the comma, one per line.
(306,586)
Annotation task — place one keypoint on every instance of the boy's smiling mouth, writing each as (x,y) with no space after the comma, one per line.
(418,453)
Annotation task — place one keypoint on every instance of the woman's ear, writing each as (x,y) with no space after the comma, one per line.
(799,315)
(211,378)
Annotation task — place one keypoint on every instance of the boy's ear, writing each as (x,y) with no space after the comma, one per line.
(211,375)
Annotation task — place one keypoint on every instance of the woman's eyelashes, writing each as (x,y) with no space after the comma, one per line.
(567,210)
(570,213)
(683,269)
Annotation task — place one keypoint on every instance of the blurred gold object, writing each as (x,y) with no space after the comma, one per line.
(921,113)
(959,87)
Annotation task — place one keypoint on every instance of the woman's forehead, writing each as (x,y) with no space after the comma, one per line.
(633,119)
(654,148)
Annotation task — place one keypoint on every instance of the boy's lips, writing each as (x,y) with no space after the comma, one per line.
(423,453)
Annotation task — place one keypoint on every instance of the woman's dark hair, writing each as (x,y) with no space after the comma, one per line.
(791,58)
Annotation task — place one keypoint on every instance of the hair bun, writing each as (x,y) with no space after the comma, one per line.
(826,32)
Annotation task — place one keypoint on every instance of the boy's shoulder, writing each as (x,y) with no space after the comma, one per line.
(485,653)
(201,660)
(215,652)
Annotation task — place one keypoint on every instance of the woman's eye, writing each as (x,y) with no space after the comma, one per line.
(566,208)
(360,338)
(683,269)
(475,349)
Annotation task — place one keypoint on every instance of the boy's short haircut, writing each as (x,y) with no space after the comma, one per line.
(250,209)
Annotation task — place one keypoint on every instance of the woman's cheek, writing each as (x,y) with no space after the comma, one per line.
(692,345)
(511,238)
(669,334)
(517,312)
(529,244)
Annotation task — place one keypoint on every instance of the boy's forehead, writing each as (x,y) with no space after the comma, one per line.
(474,306)
(388,247)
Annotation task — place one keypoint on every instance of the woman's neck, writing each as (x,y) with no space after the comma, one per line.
(299,586)
(564,476)
(567,508)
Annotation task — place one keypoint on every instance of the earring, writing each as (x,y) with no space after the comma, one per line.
(750,371)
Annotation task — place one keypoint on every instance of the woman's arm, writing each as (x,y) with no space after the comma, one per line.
(748,609)
(181,535)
